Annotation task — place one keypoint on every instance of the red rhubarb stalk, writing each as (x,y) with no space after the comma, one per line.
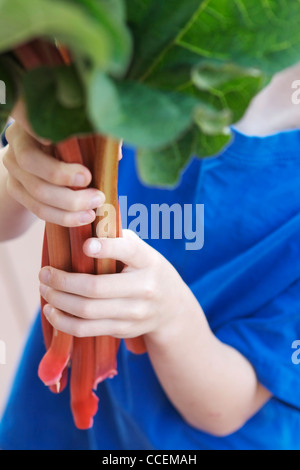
(84,402)
(46,326)
(58,355)
(52,369)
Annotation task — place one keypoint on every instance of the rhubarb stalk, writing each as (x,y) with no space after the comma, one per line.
(106,179)
(58,355)
(84,402)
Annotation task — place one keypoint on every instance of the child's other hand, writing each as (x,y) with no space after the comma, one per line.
(42,184)
(148,297)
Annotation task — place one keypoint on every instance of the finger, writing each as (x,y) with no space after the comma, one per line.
(92,309)
(31,158)
(90,328)
(130,249)
(48,213)
(104,286)
(56,196)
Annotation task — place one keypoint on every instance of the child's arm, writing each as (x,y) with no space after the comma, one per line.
(211,384)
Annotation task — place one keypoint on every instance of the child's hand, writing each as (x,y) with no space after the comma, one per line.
(42,184)
(146,298)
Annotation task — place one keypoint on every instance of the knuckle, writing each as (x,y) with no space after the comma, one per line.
(131,248)
(10,186)
(64,175)
(122,330)
(14,189)
(6,160)
(94,289)
(137,312)
(79,330)
(67,220)
(149,289)
(24,159)
(74,201)
(54,318)
(38,191)
(57,280)
(130,235)
(9,133)
(37,209)
(86,310)
(54,176)
(50,296)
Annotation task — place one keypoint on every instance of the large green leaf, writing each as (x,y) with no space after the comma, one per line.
(195,67)
(253,33)
(142,116)
(158,30)
(223,93)
(227,87)
(98,37)
(163,167)
(137,10)
(56,103)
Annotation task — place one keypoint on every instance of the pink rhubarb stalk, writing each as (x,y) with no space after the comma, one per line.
(84,402)
(58,355)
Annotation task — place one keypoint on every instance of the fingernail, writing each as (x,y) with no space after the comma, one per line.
(86,217)
(79,180)
(94,246)
(45,276)
(97,201)
(43,290)
(47,310)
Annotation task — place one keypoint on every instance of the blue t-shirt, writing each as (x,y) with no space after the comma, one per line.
(247,279)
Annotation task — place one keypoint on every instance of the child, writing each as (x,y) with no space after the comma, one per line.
(219,323)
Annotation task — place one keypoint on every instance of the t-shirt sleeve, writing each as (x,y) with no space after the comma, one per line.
(270,340)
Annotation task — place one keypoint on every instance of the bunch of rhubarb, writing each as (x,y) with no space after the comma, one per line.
(168,78)
(92,360)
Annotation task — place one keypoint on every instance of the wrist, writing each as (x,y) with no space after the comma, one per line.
(187,319)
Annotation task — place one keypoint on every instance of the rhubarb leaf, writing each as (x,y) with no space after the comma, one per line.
(56,103)
(98,38)
(159,26)
(163,167)
(142,116)
(226,86)
(260,34)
